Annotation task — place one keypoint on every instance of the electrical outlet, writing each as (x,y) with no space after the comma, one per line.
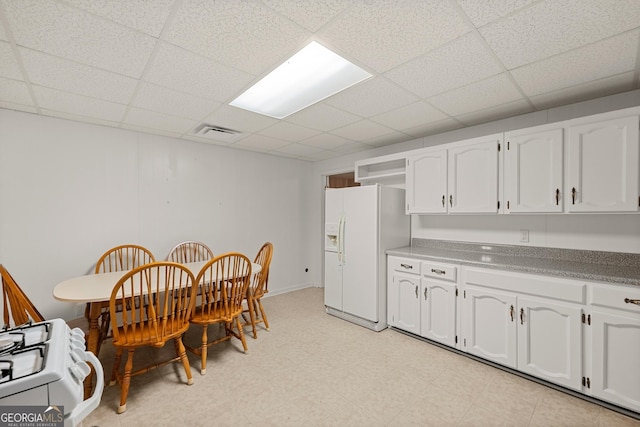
(524,235)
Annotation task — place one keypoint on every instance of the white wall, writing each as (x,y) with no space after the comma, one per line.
(69,191)
(620,233)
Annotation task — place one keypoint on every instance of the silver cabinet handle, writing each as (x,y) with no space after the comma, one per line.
(511,313)
(416,291)
(407,266)
(425,293)
(632,301)
(440,272)
(522,316)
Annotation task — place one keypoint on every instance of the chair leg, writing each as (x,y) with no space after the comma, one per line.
(252,315)
(181,352)
(126,381)
(116,366)
(241,332)
(264,316)
(203,351)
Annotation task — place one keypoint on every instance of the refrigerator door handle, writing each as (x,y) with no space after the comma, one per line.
(341,225)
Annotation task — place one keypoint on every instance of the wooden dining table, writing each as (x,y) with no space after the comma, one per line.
(95,289)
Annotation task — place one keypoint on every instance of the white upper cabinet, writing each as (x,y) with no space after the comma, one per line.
(533,170)
(473,176)
(463,178)
(427,182)
(603,166)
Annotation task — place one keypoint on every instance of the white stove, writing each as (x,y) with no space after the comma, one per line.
(45,364)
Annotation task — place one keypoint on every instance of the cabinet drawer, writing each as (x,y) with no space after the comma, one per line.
(439,271)
(405,265)
(532,284)
(613,296)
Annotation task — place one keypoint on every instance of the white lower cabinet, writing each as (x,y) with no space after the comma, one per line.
(613,324)
(540,335)
(615,375)
(550,341)
(489,328)
(403,294)
(438,308)
(583,336)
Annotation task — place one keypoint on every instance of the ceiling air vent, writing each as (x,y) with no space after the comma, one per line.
(216,133)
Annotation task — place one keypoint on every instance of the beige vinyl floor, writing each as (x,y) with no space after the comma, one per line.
(312,369)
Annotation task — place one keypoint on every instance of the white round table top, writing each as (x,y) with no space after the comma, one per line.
(98,287)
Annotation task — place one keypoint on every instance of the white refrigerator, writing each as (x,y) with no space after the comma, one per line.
(361,223)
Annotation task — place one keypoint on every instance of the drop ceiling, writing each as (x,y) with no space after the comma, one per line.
(169,66)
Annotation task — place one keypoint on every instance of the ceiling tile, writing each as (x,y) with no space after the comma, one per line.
(298,150)
(585,91)
(80,118)
(155,120)
(494,113)
(236,33)
(488,93)
(167,101)
(434,128)
(389,139)
(362,130)
(65,31)
(239,119)
(310,14)
(321,155)
(551,27)
(78,105)
(185,71)
(142,15)
(17,107)
(261,143)
(409,116)
(456,64)
(481,12)
(374,96)
(154,130)
(8,65)
(322,117)
(15,91)
(402,29)
(351,147)
(288,132)
(68,76)
(615,55)
(327,141)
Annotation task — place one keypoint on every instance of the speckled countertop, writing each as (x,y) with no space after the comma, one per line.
(605,267)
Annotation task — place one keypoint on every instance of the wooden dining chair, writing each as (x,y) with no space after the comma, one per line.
(18,308)
(119,258)
(190,251)
(222,283)
(258,288)
(156,302)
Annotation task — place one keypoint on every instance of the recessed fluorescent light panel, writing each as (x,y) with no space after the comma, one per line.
(309,76)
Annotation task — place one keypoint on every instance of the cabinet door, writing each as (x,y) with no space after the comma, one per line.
(404,303)
(550,341)
(533,172)
(489,325)
(438,311)
(615,359)
(473,177)
(427,182)
(603,166)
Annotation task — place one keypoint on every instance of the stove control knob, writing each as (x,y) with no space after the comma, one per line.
(76,333)
(80,371)
(78,355)
(77,345)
